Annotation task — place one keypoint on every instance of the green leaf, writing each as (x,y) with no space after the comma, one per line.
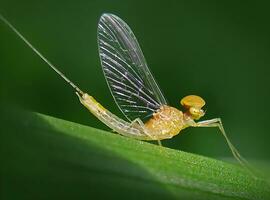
(43,157)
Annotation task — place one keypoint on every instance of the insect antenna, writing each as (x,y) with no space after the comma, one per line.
(40,55)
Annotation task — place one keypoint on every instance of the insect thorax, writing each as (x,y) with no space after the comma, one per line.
(165,123)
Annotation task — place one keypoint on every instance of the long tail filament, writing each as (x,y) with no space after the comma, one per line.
(40,55)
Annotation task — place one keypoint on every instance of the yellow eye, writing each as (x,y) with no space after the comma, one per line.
(196,113)
(192,101)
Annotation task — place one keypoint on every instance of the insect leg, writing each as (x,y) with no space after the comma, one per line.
(216,122)
(139,122)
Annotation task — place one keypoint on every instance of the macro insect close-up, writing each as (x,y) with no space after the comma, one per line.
(131,156)
(134,89)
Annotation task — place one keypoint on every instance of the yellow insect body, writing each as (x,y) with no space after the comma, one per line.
(165,123)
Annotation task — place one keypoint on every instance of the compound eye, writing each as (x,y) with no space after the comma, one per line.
(192,101)
(194,111)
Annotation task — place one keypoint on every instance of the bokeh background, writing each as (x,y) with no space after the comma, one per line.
(219,51)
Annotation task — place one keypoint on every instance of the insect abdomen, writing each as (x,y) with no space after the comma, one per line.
(117,124)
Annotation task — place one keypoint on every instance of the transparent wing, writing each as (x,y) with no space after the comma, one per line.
(130,81)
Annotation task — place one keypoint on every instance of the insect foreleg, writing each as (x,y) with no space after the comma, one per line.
(216,122)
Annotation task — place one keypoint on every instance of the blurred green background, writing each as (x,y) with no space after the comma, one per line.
(219,51)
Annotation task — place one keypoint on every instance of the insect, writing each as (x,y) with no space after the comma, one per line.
(134,89)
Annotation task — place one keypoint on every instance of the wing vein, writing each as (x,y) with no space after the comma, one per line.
(130,81)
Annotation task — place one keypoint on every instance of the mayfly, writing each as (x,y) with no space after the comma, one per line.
(134,89)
